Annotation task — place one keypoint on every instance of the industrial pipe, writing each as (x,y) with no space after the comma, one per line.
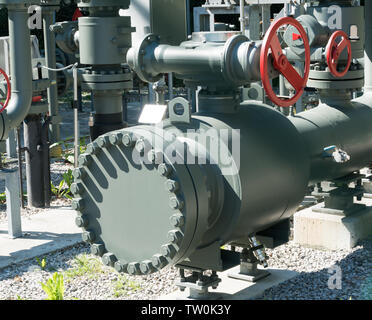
(21,71)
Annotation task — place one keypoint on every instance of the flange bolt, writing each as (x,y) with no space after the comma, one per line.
(88,236)
(159,261)
(109,259)
(168,250)
(177,220)
(120,266)
(97,249)
(164,169)
(134,268)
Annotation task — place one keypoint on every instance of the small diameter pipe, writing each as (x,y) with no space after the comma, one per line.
(21,71)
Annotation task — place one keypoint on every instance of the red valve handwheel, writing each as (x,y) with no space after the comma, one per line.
(3,106)
(334,50)
(281,63)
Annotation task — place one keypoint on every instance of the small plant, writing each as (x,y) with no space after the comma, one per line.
(41,263)
(67,153)
(63,190)
(85,265)
(54,287)
(122,286)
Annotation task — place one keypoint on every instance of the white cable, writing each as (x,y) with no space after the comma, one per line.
(62,69)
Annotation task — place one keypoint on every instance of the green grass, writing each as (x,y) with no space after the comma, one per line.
(84,265)
(122,286)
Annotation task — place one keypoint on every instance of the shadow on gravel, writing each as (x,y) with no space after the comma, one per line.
(348,279)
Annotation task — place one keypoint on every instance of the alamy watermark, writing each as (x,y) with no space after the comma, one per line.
(220,147)
(35,21)
(335,280)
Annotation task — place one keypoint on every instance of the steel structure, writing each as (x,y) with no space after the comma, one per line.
(175,192)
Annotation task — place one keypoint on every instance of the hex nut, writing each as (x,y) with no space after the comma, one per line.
(140,146)
(172,185)
(175,236)
(77,204)
(168,250)
(146,266)
(120,266)
(81,222)
(93,148)
(175,203)
(159,261)
(109,259)
(77,188)
(88,236)
(134,268)
(177,220)
(103,141)
(128,140)
(116,138)
(78,173)
(164,169)
(84,160)
(97,249)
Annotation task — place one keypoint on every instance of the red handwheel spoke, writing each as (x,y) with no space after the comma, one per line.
(281,63)
(276,48)
(293,77)
(334,51)
(7,98)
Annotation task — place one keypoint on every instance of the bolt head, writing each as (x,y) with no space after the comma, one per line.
(116,138)
(77,188)
(84,160)
(81,222)
(175,236)
(120,266)
(164,169)
(128,140)
(140,146)
(93,148)
(109,259)
(103,141)
(168,250)
(134,268)
(175,203)
(77,204)
(177,220)
(88,236)
(97,249)
(172,185)
(146,266)
(159,261)
(78,173)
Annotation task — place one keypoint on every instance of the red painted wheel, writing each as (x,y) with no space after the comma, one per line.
(271,47)
(7,98)
(334,50)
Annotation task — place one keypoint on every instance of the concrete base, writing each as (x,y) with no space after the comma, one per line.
(233,289)
(43,233)
(331,231)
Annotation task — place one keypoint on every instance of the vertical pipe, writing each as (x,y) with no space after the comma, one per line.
(34,161)
(368,47)
(20,150)
(21,70)
(50,57)
(242,16)
(76,119)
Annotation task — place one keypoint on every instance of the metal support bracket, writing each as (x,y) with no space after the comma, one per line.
(179,110)
(198,284)
(13,207)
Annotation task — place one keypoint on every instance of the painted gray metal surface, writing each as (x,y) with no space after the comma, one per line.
(13,203)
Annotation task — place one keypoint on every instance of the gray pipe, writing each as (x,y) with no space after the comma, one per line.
(21,72)
(368,46)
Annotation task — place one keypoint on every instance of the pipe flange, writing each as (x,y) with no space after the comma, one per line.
(140,56)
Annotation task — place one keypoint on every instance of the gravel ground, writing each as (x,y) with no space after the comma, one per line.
(57,168)
(90,280)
